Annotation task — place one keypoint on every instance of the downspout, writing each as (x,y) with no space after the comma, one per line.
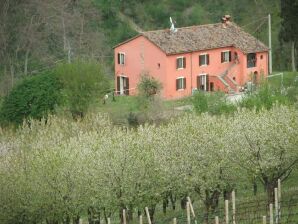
(191,73)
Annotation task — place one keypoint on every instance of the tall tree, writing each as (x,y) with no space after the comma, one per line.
(289,30)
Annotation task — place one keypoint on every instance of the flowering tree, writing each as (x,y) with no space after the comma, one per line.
(265,144)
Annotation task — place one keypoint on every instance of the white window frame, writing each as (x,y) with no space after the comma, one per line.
(183,59)
(203,54)
(120,61)
(227,51)
(122,90)
(205,80)
(183,84)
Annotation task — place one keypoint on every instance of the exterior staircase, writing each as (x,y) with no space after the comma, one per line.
(225,79)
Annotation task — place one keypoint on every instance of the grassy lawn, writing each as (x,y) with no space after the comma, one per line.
(288,79)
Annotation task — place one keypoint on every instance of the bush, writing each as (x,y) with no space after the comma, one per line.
(213,103)
(148,86)
(83,83)
(264,97)
(34,97)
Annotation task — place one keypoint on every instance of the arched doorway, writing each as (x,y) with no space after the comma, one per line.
(255,78)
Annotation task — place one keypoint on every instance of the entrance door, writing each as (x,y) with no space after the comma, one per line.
(203,82)
(122,85)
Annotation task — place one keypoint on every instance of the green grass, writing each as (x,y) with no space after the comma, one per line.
(288,79)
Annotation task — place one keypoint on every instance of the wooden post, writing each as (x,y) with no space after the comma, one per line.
(234,207)
(141,219)
(148,215)
(124,216)
(227,211)
(271,213)
(191,207)
(174,221)
(276,204)
(279,198)
(109,220)
(188,212)
(264,220)
(216,220)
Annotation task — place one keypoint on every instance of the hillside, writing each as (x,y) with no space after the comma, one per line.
(36,35)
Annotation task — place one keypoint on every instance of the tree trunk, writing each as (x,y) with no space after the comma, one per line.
(269,186)
(151,213)
(173,201)
(255,187)
(183,202)
(293,56)
(76,220)
(26,63)
(165,203)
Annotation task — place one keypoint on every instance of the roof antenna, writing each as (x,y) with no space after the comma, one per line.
(173,29)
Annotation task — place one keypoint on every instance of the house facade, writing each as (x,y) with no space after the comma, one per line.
(214,57)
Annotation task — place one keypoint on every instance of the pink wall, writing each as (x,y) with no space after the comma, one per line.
(167,73)
(136,52)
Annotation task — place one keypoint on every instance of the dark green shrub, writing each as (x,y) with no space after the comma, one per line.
(83,83)
(34,97)
(213,103)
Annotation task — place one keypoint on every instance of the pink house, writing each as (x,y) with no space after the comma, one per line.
(209,57)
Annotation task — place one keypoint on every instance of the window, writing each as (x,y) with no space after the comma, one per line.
(204,59)
(180,83)
(225,56)
(251,60)
(181,63)
(203,82)
(261,57)
(121,58)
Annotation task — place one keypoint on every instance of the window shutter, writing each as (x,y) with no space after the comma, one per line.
(207,59)
(127,86)
(177,84)
(177,63)
(118,85)
(200,60)
(184,83)
(207,82)
(184,62)
(118,59)
(230,56)
(222,57)
(198,82)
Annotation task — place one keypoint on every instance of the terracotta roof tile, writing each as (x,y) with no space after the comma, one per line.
(197,38)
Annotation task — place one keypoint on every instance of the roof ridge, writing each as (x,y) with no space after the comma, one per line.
(179,28)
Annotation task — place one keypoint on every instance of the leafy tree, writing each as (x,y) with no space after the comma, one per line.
(289,30)
(83,83)
(34,97)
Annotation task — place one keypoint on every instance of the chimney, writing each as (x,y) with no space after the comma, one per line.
(226,20)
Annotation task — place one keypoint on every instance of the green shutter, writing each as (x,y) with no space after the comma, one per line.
(184,82)
(207,82)
(184,62)
(127,86)
(118,85)
(177,84)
